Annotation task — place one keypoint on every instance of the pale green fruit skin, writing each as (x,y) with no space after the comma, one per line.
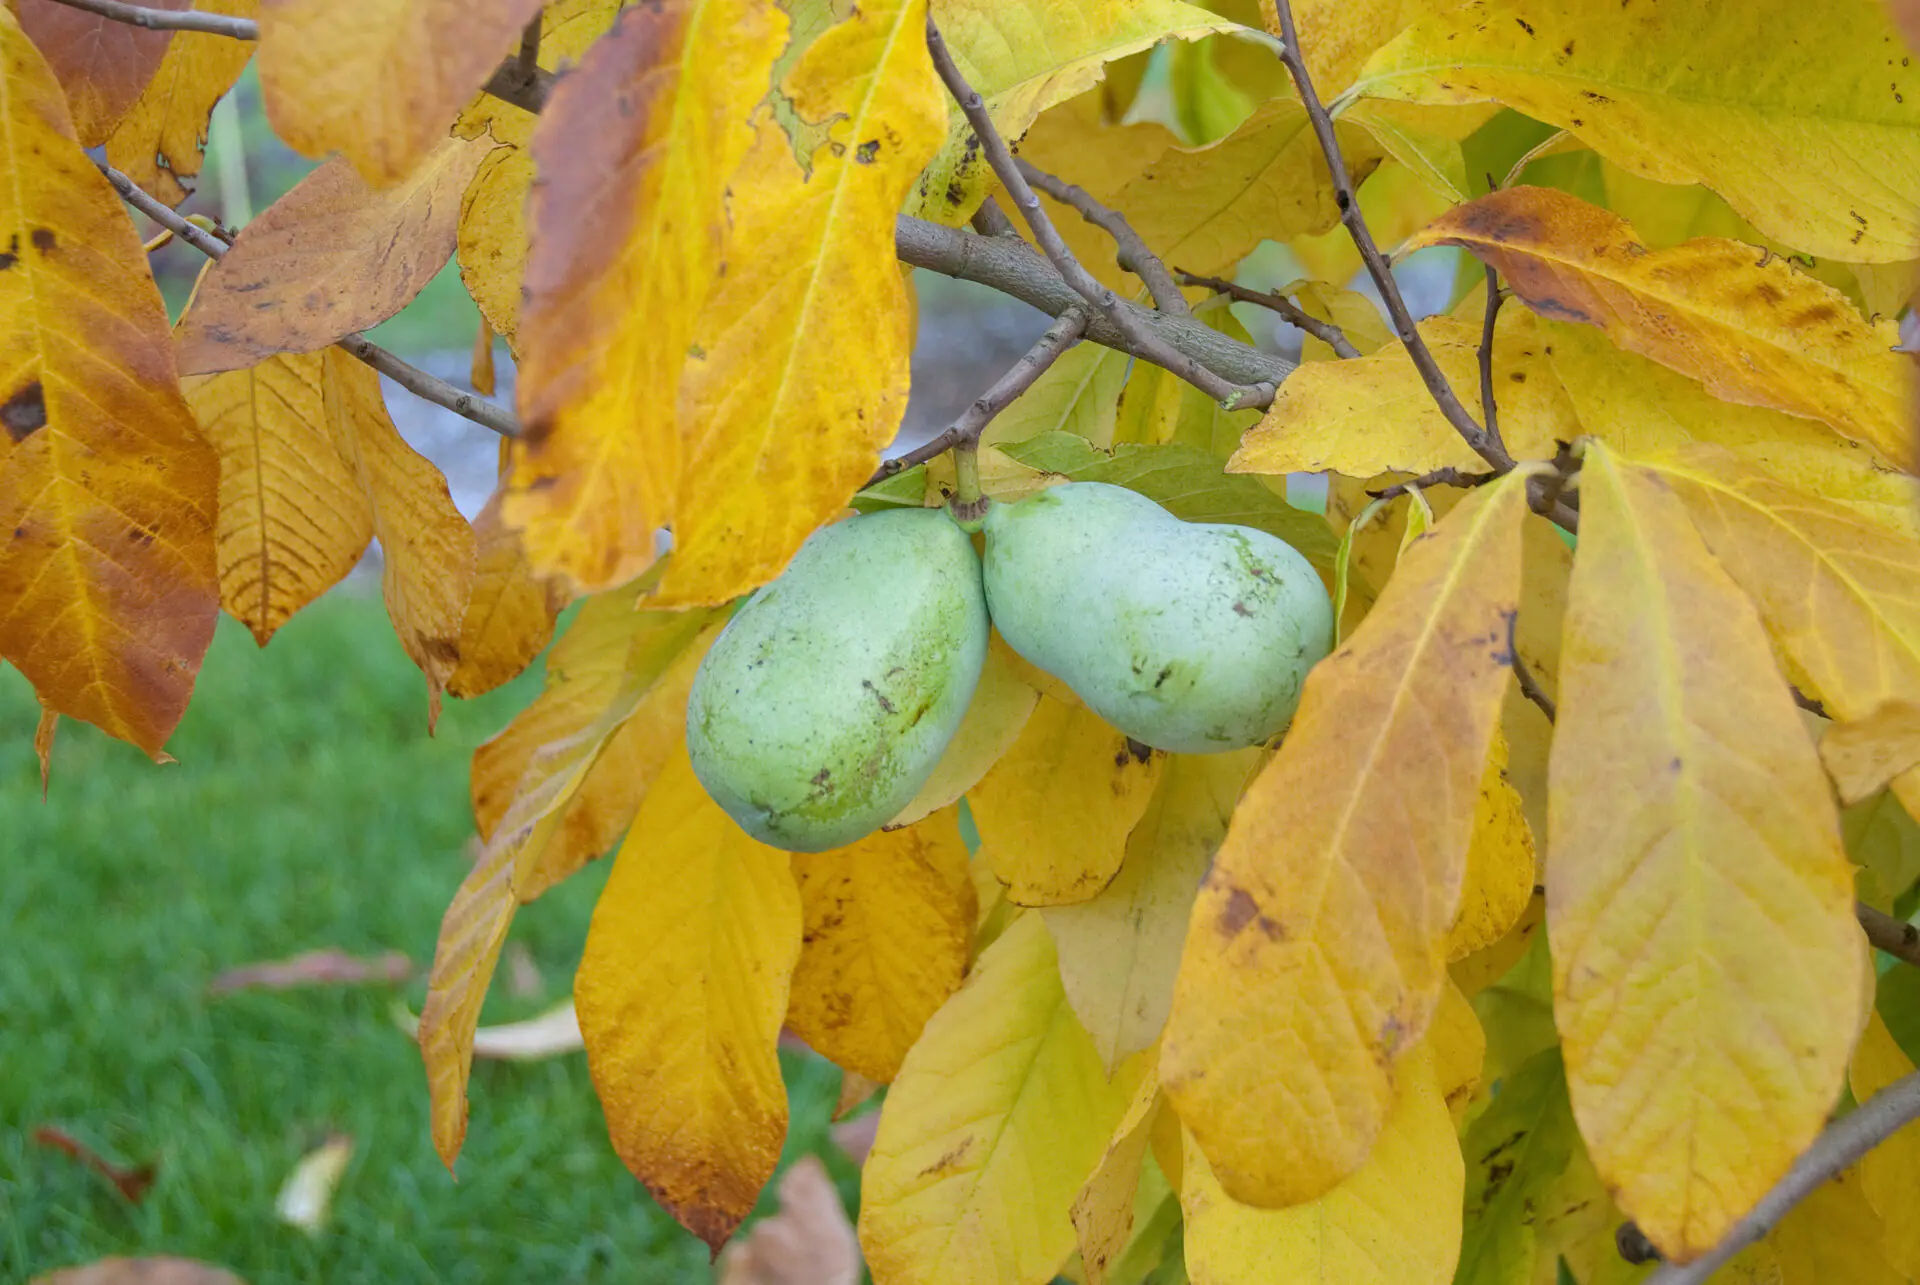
(1190,637)
(825,703)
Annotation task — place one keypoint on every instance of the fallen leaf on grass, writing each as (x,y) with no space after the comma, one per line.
(542,1036)
(307,1197)
(130,1181)
(809,1242)
(330,967)
(141,1271)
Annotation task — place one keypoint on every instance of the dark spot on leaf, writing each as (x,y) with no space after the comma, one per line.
(1593,97)
(1240,910)
(1673,765)
(1566,50)
(1525,25)
(1518,376)
(25,412)
(949,1160)
(867,151)
(12,256)
(140,536)
(1140,750)
(1634,1245)
(43,240)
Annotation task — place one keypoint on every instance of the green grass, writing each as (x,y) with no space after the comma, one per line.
(309,809)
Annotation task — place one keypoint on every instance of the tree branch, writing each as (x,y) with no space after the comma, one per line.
(1325,331)
(1448,476)
(1131,252)
(1279,14)
(1487,411)
(1110,305)
(1843,1142)
(1888,935)
(412,378)
(965,431)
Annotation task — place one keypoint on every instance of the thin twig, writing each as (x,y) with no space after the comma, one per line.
(1889,935)
(1529,685)
(410,377)
(1807,702)
(214,24)
(1485,446)
(1831,1154)
(1448,476)
(1130,250)
(1110,305)
(528,61)
(965,431)
(1325,331)
(1487,411)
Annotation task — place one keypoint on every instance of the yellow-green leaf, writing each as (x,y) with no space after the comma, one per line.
(1707,966)
(888,928)
(379,81)
(1119,951)
(1054,813)
(1500,863)
(1103,1212)
(799,374)
(627,241)
(998,1116)
(681,994)
(1890,1173)
(1679,94)
(1341,873)
(1835,1235)
(162,139)
(1514,1153)
(1394,1221)
(108,593)
(1748,326)
(1002,703)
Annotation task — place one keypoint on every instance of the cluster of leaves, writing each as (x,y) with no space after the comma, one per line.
(1475,971)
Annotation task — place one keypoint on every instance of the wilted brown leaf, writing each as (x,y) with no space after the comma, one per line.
(330,257)
(330,967)
(131,1181)
(141,1271)
(102,64)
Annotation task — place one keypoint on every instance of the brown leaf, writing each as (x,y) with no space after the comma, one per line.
(132,1181)
(141,1271)
(510,615)
(100,63)
(43,745)
(107,491)
(162,140)
(330,257)
(330,967)
(808,1242)
(379,81)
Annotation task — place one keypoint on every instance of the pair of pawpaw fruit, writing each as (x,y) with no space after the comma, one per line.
(827,701)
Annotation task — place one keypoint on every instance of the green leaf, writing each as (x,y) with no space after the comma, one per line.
(904,490)
(1885,842)
(1187,481)
(1514,1152)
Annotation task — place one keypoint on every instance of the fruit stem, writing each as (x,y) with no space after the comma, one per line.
(968,505)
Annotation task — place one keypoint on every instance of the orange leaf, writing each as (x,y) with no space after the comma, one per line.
(510,614)
(381,80)
(889,926)
(634,152)
(1743,322)
(1707,965)
(330,257)
(161,141)
(681,994)
(1341,872)
(107,491)
(100,63)
(293,517)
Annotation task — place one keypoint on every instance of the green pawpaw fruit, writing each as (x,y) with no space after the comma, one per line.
(1190,637)
(823,706)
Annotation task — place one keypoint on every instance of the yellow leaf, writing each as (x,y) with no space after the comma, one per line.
(1002,703)
(1458,1044)
(159,143)
(1707,966)
(1054,813)
(1834,1235)
(1640,408)
(998,1116)
(1679,95)
(1341,873)
(330,257)
(379,81)
(1338,36)
(1356,315)
(1748,326)
(1864,755)
(1546,562)
(888,929)
(509,615)
(1890,1173)
(552,792)
(1373,414)
(1394,1221)
(1103,1211)
(1500,862)
(294,518)
(1022,59)
(800,375)
(1203,210)
(1120,950)
(492,242)
(681,994)
(1839,593)
(108,593)
(1426,142)
(426,547)
(627,241)
(102,64)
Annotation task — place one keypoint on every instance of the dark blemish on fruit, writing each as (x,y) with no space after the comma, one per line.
(878,695)
(1165,674)
(1241,609)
